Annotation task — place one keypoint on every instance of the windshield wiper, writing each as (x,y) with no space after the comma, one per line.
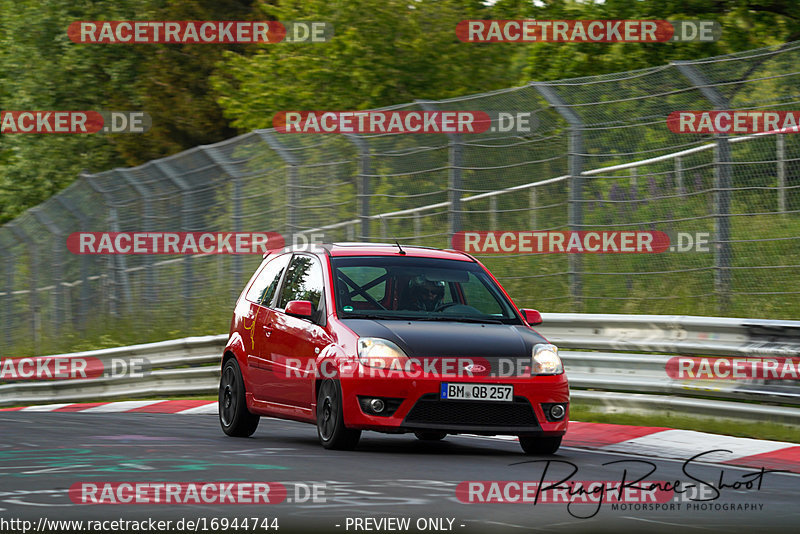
(453,318)
(351,315)
(460,319)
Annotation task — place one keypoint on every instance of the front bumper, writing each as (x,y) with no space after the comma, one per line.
(421,409)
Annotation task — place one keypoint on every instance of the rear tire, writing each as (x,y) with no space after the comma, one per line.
(234,418)
(430,435)
(330,419)
(540,445)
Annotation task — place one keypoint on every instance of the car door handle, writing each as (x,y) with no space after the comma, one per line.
(267,330)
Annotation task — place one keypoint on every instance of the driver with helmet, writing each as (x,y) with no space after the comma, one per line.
(424,294)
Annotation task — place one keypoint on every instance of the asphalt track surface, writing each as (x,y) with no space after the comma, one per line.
(43,454)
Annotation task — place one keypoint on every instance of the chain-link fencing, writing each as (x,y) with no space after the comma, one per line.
(599,158)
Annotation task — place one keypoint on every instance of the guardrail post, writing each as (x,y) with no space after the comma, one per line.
(363,185)
(780,156)
(119,259)
(150,294)
(8,301)
(83,221)
(679,175)
(723,254)
(114,268)
(291,182)
(213,154)
(454,179)
(532,201)
(57,238)
(186,207)
(36,319)
(575,215)
(110,219)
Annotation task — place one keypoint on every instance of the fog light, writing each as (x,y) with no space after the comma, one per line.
(380,406)
(377,405)
(557,411)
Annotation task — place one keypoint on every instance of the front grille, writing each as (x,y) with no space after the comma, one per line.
(430,410)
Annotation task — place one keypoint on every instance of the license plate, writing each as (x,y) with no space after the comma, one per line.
(487,392)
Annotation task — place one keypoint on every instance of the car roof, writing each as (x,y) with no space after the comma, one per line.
(386,249)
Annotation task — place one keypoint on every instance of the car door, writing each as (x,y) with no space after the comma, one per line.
(256,332)
(296,341)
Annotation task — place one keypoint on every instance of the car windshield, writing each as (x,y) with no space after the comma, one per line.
(421,289)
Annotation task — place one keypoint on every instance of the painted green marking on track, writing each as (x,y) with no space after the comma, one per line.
(50,462)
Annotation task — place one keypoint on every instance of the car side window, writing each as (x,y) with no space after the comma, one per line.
(265,285)
(303,282)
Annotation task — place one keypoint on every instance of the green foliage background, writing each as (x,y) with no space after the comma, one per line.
(384,52)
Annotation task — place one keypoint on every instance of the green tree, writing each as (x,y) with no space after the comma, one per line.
(384,52)
(41,69)
(746,24)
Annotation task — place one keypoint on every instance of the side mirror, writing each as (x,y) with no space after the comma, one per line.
(533,317)
(300,308)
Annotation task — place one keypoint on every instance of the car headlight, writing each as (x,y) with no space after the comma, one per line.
(546,360)
(380,353)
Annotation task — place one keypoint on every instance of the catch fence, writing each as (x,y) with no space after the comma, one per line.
(599,157)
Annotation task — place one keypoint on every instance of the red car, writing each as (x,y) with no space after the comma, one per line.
(393,339)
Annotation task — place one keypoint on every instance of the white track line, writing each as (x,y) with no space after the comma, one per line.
(122,406)
(43,407)
(686,443)
(207,409)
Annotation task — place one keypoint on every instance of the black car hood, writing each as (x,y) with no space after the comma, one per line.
(425,339)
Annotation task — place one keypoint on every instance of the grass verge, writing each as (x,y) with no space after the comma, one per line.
(756,430)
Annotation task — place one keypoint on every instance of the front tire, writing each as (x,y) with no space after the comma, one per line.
(540,445)
(234,418)
(330,419)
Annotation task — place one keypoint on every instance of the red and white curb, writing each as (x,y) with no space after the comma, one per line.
(684,444)
(646,441)
(185,407)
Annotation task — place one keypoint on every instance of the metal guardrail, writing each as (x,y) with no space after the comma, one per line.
(622,381)
(188,366)
(612,381)
(673,334)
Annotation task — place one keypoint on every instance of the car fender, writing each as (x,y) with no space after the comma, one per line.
(334,363)
(236,346)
